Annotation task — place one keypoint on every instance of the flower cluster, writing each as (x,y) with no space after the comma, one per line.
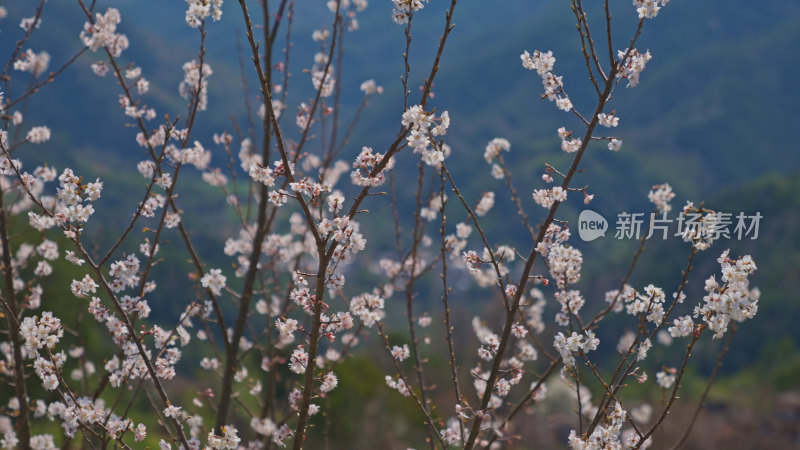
(701,226)
(682,327)
(195,83)
(365,164)
(124,273)
(665,379)
(731,300)
(329,382)
(568,346)
(103,33)
(345,232)
(277,109)
(568,143)
(610,435)
(565,264)
(403,9)
(571,304)
(648,9)
(399,385)
(401,353)
(649,304)
(38,333)
(494,148)
(489,341)
(543,64)
(485,204)
(430,212)
(30,61)
(368,308)
(369,87)
(632,64)
(70,206)
(487,274)
(660,196)
(608,120)
(214,280)
(547,197)
(82,288)
(229,440)
(299,360)
(199,10)
(46,370)
(424,128)
(38,135)
(322,78)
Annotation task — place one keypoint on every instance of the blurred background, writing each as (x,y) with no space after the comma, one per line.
(715,115)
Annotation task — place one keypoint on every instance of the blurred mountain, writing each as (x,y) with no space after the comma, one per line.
(713,114)
(710,110)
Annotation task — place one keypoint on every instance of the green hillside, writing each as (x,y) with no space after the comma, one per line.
(713,115)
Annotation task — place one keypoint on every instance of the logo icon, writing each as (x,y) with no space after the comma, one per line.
(591,225)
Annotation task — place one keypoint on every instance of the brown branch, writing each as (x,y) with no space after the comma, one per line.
(711,379)
(50,78)
(446,305)
(695,336)
(14,313)
(425,411)
(308,381)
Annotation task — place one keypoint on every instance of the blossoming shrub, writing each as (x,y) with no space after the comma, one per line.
(273,317)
